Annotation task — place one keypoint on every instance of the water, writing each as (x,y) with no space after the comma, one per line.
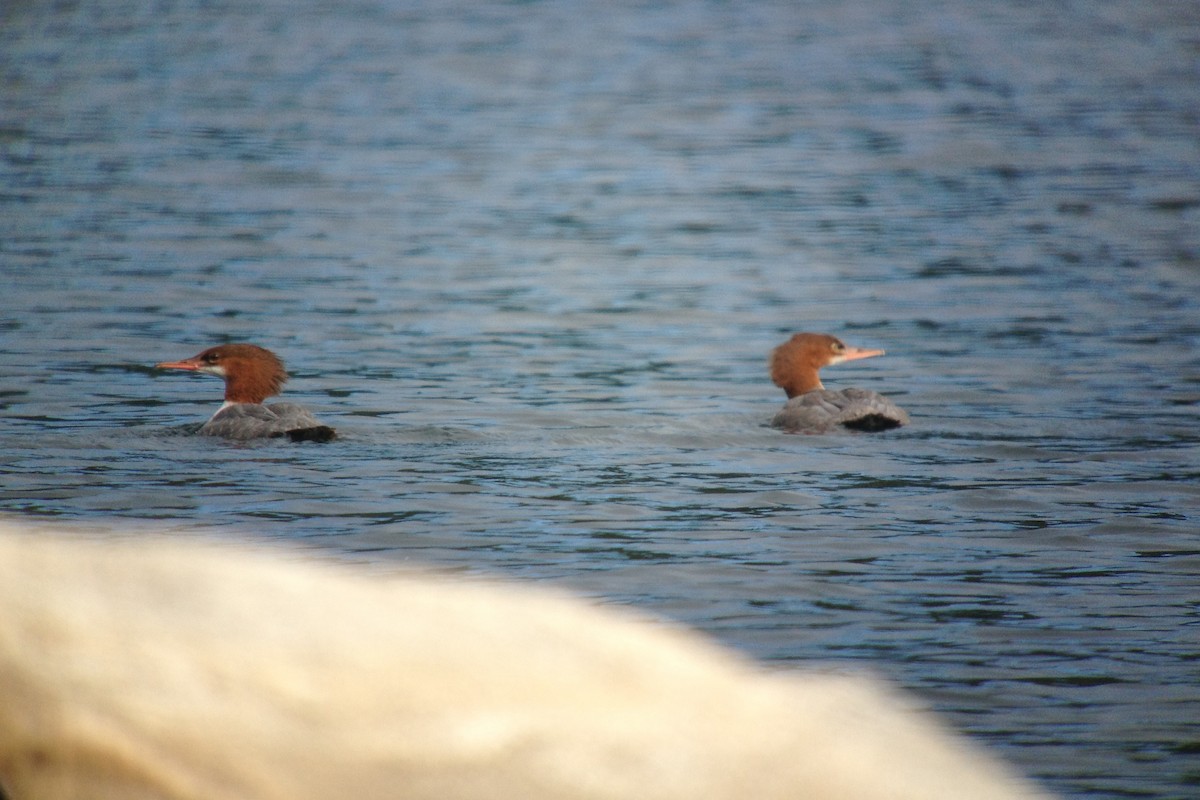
(529,259)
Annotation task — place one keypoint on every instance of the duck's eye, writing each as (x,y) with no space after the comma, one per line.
(212,358)
(837,347)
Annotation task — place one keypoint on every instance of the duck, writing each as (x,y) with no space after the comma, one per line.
(252,374)
(795,367)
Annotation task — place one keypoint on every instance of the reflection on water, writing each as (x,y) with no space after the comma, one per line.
(529,259)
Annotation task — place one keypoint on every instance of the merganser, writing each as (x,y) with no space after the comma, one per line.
(252,374)
(811,408)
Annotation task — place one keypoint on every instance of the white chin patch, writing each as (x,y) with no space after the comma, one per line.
(215,369)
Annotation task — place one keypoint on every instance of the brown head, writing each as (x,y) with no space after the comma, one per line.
(796,362)
(251,373)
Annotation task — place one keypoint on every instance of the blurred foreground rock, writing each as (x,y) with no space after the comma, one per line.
(159,666)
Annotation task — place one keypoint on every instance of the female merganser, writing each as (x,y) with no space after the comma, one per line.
(252,374)
(811,408)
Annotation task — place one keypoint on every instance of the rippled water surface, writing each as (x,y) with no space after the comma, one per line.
(529,259)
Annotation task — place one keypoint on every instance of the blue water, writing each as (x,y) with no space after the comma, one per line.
(529,259)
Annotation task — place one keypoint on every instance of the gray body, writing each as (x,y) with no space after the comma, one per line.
(824,410)
(256,421)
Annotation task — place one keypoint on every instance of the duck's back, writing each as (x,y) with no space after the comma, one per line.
(825,410)
(257,421)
